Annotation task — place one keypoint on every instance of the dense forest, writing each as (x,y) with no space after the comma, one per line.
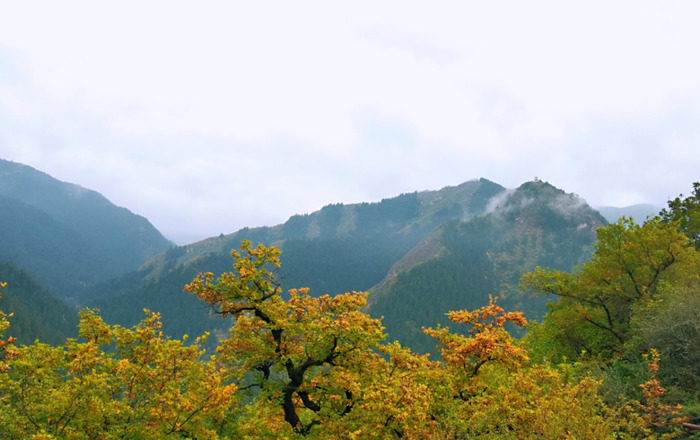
(615,355)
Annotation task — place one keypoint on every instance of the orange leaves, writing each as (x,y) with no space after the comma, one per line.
(487,317)
(488,340)
(656,415)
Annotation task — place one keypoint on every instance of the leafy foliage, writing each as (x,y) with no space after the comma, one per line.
(631,269)
(305,354)
(300,366)
(687,212)
(637,299)
(144,387)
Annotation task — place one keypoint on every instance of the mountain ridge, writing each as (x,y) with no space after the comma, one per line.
(477,234)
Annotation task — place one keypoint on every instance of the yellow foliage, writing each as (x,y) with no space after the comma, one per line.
(302,367)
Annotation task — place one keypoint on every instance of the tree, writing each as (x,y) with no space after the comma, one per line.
(672,328)
(638,294)
(304,357)
(687,212)
(144,387)
(488,388)
(631,268)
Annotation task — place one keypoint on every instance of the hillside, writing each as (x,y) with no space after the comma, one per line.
(36,312)
(68,236)
(463,262)
(337,249)
(420,254)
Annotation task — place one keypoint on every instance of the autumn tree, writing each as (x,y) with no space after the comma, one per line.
(303,359)
(115,383)
(489,389)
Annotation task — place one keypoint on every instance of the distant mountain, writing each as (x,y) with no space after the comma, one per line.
(67,236)
(639,213)
(420,254)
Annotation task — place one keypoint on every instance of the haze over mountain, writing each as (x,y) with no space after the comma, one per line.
(638,213)
(56,238)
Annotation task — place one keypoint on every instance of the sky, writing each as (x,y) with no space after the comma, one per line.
(206,117)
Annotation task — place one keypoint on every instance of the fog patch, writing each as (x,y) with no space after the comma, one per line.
(567,205)
(498,202)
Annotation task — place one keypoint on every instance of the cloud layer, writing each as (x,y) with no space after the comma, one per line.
(206,118)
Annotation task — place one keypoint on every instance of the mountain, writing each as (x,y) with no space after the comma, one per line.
(67,236)
(420,254)
(336,249)
(639,213)
(463,262)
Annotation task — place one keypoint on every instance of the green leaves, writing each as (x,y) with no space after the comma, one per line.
(631,266)
(686,211)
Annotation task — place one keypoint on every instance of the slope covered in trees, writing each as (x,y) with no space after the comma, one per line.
(36,312)
(336,249)
(420,254)
(537,224)
(68,236)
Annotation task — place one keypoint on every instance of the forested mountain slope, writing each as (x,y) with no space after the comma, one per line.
(336,249)
(421,254)
(68,236)
(463,262)
(36,312)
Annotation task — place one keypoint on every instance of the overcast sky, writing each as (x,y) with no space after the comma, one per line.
(209,116)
